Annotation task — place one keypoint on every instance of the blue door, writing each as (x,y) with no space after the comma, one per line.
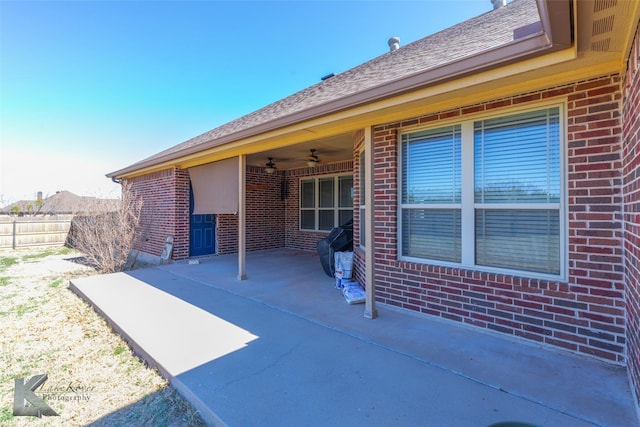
(202,236)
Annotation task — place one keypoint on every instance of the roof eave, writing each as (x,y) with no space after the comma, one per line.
(556,34)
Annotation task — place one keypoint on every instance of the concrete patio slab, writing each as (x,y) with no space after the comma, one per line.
(284,348)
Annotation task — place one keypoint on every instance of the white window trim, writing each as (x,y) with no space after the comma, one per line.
(316,202)
(468,204)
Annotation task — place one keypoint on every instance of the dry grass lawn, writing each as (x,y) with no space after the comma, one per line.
(93,378)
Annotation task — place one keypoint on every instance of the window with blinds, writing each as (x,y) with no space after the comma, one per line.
(431,189)
(517,191)
(486,193)
(326,202)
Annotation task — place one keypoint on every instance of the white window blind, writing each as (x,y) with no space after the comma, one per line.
(431,172)
(517,191)
(431,191)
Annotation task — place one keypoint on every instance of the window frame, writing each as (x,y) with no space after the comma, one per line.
(316,203)
(468,203)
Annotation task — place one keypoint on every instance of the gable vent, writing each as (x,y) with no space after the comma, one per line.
(599,5)
(602,25)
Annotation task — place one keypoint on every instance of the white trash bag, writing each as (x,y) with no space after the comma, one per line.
(353,292)
(343,263)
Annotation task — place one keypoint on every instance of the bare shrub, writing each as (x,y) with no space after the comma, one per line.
(107,239)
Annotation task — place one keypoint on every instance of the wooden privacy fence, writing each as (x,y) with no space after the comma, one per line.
(34,231)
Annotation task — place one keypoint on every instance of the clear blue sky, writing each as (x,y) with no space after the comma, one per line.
(89,87)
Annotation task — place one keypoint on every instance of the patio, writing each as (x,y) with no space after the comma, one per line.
(283,348)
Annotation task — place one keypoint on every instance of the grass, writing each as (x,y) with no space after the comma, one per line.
(45,328)
(7,261)
(22,309)
(5,414)
(46,253)
(119,350)
(56,283)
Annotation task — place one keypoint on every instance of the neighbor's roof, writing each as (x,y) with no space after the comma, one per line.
(472,37)
(63,202)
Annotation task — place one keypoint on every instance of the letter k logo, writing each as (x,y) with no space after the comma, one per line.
(23,394)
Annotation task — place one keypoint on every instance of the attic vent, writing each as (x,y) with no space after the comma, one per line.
(599,5)
(497,4)
(601,45)
(602,25)
(394,43)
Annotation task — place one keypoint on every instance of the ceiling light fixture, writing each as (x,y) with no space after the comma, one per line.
(270,166)
(313,160)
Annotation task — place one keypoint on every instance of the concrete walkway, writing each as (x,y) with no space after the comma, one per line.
(284,348)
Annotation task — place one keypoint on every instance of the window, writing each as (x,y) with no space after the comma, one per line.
(431,204)
(485,193)
(326,202)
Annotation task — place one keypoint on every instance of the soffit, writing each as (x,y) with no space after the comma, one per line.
(606,26)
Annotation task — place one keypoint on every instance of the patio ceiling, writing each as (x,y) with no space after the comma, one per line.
(329,150)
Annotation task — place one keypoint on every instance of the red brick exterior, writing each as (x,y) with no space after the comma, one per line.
(265,215)
(595,312)
(584,314)
(273,211)
(631,192)
(165,211)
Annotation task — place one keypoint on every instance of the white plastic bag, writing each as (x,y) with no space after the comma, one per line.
(353,293)
(343,264)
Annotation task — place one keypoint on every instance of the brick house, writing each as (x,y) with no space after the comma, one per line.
(494,167)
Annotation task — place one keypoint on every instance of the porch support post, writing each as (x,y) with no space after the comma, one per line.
(242,177)
(370,311)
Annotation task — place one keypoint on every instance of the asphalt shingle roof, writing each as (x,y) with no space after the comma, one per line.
(474,36)
(63,202)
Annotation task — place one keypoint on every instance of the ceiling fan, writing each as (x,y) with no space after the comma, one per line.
(312,159)
(270,167)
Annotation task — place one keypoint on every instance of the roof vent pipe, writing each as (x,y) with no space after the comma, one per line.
(394,43)
(497,4)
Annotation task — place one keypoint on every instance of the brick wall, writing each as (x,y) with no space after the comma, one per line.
(226,234)
(584,314)
(631,192)
(265,215)
(182,214)
(165,211)
(294,237)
